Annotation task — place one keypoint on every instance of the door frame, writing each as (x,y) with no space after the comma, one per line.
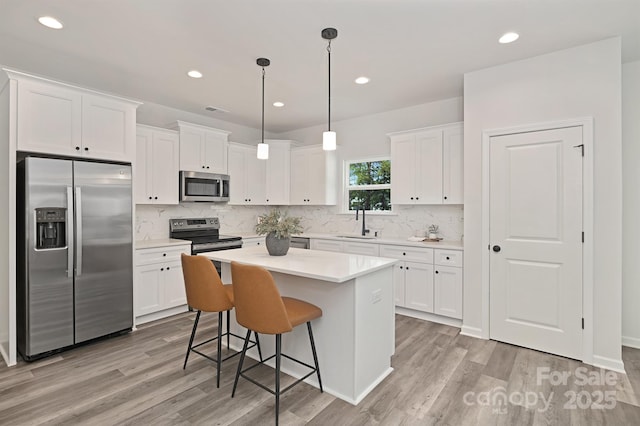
(587,221)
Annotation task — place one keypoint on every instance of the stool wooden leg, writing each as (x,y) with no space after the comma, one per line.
(219,354)
(315,356)
(258,345)
(244,351)
(278,350)
(193,334)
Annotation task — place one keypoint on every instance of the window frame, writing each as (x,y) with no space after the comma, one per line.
(346,187)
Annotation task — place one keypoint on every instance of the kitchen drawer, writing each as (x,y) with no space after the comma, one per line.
(160,254)
(413,254)
(448,258)
(326,245)
(367,249)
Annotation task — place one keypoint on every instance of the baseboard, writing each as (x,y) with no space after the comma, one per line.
(5,353)
(609,363)
(631,342)
(426,316)
(160,314)
(472,332)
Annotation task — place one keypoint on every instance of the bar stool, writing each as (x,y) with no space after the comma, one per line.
(206,293)
(261,309)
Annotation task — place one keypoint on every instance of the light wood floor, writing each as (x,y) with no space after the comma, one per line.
(440,377)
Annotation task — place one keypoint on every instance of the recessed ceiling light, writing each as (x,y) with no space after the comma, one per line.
(51,22)
(508,38)
(278,104)
(362,80)
(194,74)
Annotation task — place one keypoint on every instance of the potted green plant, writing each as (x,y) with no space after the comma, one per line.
(433,232)
(278,228)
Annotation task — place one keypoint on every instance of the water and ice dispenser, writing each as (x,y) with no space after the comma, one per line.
(50,228)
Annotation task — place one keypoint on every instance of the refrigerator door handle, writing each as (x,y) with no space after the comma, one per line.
(69,226)
(78,246)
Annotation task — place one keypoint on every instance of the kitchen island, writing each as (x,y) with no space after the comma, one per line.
(355,335)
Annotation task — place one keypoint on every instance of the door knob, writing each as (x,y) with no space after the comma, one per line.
(496,248)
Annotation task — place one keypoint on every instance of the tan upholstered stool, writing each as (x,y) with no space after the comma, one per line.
(260,309)
(206,293)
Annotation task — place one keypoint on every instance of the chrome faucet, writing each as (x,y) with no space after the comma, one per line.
(365,231)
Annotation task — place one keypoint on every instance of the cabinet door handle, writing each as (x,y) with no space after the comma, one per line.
(407,268)
(155,198)
(150,198)
(447,257)
(401,267)
(417,198)
(204,167)
(267,200)
(207,167)
(170,268)
(445,197)
(412,198)
(86,148)
(404,254)
(77,148)
(437,272)
(162,269)
(164,254)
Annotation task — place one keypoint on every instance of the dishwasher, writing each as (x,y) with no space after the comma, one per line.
(300,242)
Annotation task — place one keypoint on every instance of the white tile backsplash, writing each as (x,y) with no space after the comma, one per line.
(152,221)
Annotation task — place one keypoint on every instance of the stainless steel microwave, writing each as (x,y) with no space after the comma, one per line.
(203,187)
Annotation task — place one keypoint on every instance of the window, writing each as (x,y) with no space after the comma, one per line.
(368,184)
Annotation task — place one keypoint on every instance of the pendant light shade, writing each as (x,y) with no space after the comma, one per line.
(329,141)
(329,137)
(263,148)
(263,151)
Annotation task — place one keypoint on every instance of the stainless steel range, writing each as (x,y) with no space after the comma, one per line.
(204,234)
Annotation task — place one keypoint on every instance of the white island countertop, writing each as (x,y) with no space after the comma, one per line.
(316,264)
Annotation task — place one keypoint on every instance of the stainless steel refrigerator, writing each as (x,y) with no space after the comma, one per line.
(75,261)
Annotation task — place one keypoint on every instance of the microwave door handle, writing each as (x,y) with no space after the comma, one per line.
(78,231)
(221,187)
(69,226)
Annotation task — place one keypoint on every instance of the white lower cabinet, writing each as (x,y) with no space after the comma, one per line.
(253,241)
(426,279)
(159,283)
(366,249)
(447,283)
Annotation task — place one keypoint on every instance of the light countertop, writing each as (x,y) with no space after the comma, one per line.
(162,242)
(444,244)
(315,264)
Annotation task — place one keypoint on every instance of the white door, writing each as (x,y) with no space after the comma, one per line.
(108,127)
(165,168)
(428,167)
(403,178)
(536,240)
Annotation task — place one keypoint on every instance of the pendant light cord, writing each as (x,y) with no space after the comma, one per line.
(263,73)
(329,74)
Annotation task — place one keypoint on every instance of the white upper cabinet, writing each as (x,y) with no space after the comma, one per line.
(426,166)
(247,175)
(313,176)
(107,128)
(453,165)
(59,119)
(259,182)
(156,168)
(278,173)
(202,149)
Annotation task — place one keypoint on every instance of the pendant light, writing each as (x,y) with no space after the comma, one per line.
(263,148)
(329,137)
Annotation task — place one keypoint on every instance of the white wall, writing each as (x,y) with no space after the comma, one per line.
(574,83)
(631,204)
(163,116)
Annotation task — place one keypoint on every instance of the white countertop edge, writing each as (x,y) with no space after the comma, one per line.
(161,242)
(397,241)
(222,256)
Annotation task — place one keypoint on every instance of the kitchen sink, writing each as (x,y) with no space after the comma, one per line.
(357,237)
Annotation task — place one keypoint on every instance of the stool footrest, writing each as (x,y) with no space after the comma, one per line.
(313,370)
(194,347)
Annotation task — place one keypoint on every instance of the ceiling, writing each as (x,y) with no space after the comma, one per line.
(414,51)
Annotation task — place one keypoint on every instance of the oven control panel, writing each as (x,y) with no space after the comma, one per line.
(194,223)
